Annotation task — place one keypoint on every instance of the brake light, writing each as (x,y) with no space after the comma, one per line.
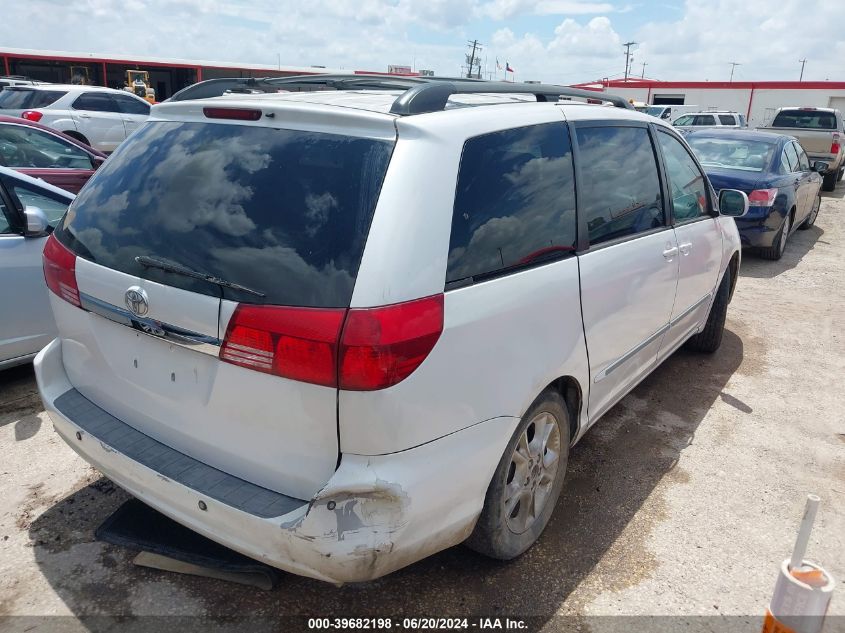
(762,197)
(834,147)
(240,114)
(381,347)
(296,343)
(60,271)
(375,347)
(32,115)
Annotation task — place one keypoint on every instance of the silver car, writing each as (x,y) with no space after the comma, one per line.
(29,209)
(340,331)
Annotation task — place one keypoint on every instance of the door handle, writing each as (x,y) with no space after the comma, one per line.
(670,253)
(127,120)
(84,116)
(685,248)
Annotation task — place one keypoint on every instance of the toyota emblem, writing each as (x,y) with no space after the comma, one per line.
(136,300)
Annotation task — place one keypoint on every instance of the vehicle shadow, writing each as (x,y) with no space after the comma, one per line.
(799,245)
(18,393)
(612,472)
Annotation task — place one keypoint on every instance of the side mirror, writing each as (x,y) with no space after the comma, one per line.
(36,222)
(820,166)
(733,202)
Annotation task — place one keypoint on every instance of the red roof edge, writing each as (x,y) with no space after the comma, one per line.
(718,85)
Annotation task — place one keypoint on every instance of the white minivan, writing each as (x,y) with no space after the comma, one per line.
(338,331)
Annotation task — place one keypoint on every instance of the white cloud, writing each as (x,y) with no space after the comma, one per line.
(695,41)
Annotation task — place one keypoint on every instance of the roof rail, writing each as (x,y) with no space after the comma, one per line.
(217,87)
(432,96)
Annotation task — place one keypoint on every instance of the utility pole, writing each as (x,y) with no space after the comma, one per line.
(643,75)
(803,61)
(627,46)
(733,65)
(473,60)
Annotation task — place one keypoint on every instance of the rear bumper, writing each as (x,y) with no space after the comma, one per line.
(759,232)
(834,161)
(375,515)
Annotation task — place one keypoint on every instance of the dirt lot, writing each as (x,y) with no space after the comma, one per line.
(682,501)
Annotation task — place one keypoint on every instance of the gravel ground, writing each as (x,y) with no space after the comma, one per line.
(682,501)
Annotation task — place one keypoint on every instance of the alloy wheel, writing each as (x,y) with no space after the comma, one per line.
(533,467)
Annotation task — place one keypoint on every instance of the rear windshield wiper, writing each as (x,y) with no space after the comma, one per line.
(179,269)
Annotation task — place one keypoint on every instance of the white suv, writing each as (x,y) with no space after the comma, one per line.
(100,117)
(340,331)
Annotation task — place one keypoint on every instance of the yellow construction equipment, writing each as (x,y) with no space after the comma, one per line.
(138,82)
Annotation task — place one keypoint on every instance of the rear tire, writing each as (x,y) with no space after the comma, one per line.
(829,180)
(710,338)
(526,485)
(811,219)
(775,251)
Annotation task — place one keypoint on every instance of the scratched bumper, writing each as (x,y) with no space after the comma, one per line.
(375,515)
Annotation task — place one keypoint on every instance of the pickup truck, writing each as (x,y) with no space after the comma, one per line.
(820,131)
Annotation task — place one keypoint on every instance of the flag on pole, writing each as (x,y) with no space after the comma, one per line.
(508,68)
(498,65)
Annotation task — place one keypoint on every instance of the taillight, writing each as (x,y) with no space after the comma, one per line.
(60,271)
(238,114)
(382,346)
(31,115)
(834,147)
(762,197)
(296,343)
(377,347)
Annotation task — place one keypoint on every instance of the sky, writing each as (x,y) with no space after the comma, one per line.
(561,41)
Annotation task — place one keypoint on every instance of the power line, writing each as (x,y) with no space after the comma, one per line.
(627,46)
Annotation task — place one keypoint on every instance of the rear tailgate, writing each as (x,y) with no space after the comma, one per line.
(282,213)
(814,129)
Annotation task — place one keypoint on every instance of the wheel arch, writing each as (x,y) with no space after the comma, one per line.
(733,271)
(570,390)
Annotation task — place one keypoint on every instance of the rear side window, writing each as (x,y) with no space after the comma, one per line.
(791,157)
(95,102)
(283,212)
(130,105)
(727,119)
(809,119)
(803,161)
(619,187)
(26,98)
(514,202)
(704,119)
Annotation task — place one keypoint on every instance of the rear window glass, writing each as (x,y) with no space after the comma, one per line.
(727,119)
(283,212)
(810,119)
(23,98)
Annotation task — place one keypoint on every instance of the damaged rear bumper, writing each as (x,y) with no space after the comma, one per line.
(375,515)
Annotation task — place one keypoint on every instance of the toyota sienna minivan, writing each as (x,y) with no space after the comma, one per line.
(339,331)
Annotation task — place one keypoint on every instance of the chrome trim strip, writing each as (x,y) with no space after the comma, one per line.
(691,309)
(604,373)
(157,329)
(627,356)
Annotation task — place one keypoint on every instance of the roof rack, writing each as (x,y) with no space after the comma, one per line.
(433,96)
(218,87)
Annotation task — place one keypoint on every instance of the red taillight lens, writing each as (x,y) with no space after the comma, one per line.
(238,114)
(383,346)
(296,343)
(31,115)
(762,197)
(60,271)
(834,147)
(377,348)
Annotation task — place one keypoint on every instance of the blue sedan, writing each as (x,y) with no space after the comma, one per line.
(783,188)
